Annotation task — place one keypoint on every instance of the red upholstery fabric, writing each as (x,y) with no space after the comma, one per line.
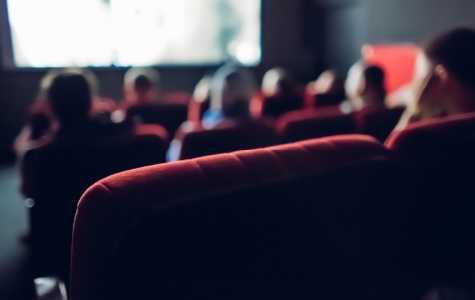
(307,124)
(437,244)
(196,109)
(111,205)
(228,136)
(56,173)
(278,105)
(424,140)
(378,122)
(170,116)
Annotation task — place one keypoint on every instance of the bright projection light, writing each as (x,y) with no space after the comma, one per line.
(248,53)
(59,33)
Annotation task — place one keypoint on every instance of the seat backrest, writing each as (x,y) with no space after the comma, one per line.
(302,220)
(377,122)
(328,99)
(231,136)
(170,116)
(307,124)
(439,242)
(58,172)
(278,105)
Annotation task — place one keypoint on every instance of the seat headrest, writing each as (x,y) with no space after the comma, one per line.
(112,204)
(433,136)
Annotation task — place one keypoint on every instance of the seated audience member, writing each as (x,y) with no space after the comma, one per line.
(364,87)
(231,92)
(367,100)
(143,103)
(444,82)
(200,101)
(141,86)
(70,100)
(327,90)
(279,95)
(39,118)
(79,151)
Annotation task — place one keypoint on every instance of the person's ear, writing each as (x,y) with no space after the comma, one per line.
(441,72)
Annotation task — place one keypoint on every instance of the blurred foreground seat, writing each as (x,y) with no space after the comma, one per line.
(56,173)
(310,220)
(307,124)
(438,244)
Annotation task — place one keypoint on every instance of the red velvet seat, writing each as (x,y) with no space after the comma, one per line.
(227,137)
(56,173)
(278,105)
(305,220)
(307,124)
(438,243)
(170,115)
(377,122)
(197,109)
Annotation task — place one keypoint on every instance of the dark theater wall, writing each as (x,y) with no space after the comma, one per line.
(283,45)
(412,20)
(352,23)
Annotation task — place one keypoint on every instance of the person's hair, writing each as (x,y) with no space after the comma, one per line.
(231,91)
(455,50)
(278,80)
(69,97)
(142,77)
(142,84)
(374,76)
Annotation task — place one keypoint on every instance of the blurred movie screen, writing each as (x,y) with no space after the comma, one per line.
(102,33)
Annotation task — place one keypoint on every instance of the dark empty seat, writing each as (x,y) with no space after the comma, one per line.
(56,173)
(438,243)
(307,124)
(278,105)
(170,116)
(378,122)
(227,137)
(310,220)
(328,99)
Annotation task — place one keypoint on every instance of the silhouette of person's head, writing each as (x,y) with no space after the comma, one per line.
(365,85)
(445,74)
(329,82)
(231,91)
(277,81)
(141,85)
(70,99)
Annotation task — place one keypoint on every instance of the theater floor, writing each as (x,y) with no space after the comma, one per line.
(15,278)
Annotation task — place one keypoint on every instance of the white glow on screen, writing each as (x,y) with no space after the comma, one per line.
(247,53)
(62,33)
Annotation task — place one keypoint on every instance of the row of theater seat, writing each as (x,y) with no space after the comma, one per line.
(290,109)
(59,171)
(290,127)
(334,218)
